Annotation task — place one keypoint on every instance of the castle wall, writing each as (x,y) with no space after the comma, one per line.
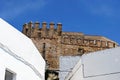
(53,43)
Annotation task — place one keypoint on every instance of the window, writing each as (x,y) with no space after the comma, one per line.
(80,51)
(9,75)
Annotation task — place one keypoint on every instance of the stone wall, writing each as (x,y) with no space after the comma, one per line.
(53,43)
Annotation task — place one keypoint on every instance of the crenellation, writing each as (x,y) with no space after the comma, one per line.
(35,31)
(29,31)
(30,24)
(86,42)
(25,29)
(52,42)
(92,43)
(99,43)
(59,29)
(103,44)
(37,25)
(52,25)
(44,30)
(111,44)
(51,30)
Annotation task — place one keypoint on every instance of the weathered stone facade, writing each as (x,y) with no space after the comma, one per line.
(53,42)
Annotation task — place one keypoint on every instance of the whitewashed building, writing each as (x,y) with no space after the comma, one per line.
(19,58)
(66,65)
(101,65)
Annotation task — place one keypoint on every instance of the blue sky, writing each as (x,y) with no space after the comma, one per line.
(93,17)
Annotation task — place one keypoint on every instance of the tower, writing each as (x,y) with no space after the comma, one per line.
(52,42)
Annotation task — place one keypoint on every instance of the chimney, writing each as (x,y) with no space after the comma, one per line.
(59,29)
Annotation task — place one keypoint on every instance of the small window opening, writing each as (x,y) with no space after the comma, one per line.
(44,51)
(9,75)
(26,30)
(80,51)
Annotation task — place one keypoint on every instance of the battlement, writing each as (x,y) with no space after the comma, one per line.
(52,31)
(80,39)
(73,33)
(35,30)
(52,42)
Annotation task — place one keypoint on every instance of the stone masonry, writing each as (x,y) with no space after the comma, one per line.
(52,42)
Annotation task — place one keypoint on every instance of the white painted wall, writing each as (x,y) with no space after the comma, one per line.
(101,65)
(66,65)
(23,72)
(76,72)
(18,53)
